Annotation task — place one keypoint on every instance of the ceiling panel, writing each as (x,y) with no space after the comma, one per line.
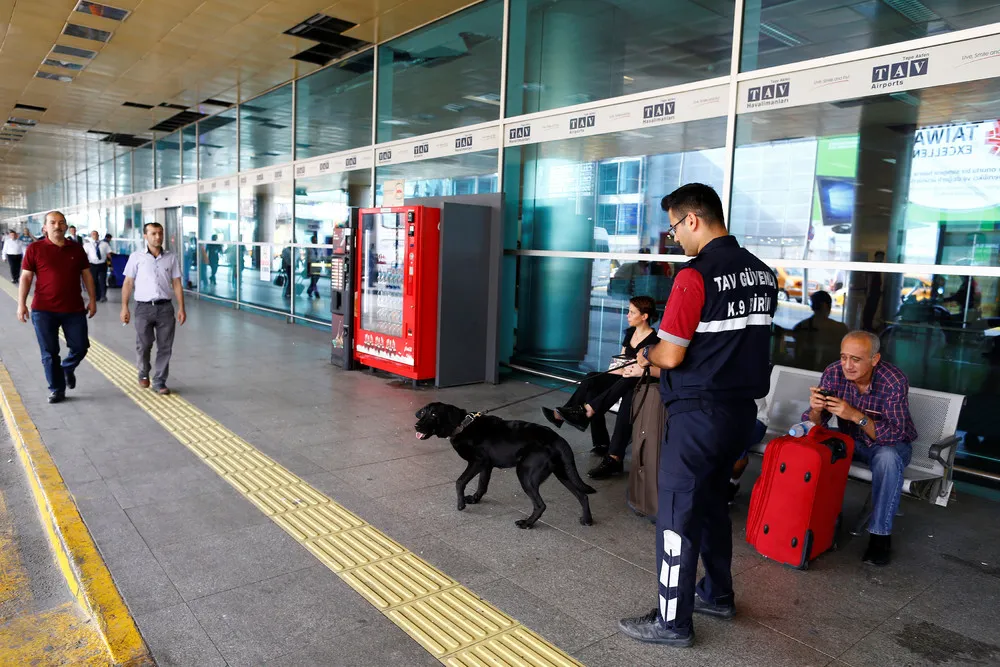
(174,51)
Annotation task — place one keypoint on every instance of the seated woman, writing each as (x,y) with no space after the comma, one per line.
(598,392)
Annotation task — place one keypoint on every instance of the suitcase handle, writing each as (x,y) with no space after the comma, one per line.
(837,447)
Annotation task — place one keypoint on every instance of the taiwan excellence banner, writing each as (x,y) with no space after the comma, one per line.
(956,167)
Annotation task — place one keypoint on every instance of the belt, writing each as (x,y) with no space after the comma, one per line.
(155,302)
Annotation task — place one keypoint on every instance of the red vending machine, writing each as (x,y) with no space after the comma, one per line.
(395,309)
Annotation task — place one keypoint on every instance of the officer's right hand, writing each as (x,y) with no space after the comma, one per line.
(125,316)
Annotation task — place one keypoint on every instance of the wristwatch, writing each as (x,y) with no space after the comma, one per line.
(863,421)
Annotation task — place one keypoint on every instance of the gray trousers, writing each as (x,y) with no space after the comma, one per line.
(154,323)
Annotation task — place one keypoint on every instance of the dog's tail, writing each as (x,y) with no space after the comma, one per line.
(569,466)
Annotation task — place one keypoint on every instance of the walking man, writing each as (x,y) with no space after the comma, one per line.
(713,356)
(13,250)
(98,252)
(59,265)
(155,276)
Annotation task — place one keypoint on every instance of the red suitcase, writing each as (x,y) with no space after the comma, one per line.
(795,504)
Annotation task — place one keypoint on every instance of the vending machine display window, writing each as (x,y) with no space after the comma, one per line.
(383,252)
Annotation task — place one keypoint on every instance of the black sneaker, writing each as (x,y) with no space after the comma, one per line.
(70,379)
(709,609)
(649,629)
(598,450)
(57,397)
(734,488)
(606,468)
(550,416)
(879,551)
(575,417)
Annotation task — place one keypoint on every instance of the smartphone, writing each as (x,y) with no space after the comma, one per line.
(827,393)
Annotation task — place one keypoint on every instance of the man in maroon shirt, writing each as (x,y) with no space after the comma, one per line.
(59,264)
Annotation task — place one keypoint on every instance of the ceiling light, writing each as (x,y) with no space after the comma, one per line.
(628,79)
(22,121)
(217,103)
(73,51)
(488,98)
(774,32)
(104,11)
(393,121)
(137,105)
(53,77)
(83,32)
(30,107)
(52,62)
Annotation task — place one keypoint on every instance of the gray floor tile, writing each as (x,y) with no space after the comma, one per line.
(620,651)
(459,566)
(176,639)
(976,591)
(207,565)
(335,456)
(540,615)
(273,617)
(359,649)
(914,642)
(142,581)
(167,485)
(500,545)
(139,457)
(194,516)
(380,479)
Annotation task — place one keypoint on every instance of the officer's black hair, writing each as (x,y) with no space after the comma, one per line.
(698,198)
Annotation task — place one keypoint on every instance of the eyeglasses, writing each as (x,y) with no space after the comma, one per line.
(673,228)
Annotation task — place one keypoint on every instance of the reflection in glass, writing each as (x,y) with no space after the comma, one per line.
(334,107)
(217,233)
(266,129)
(266,213)
(189,153)
(168,160)
(107,179)
(564,53)
(123,174)
(264,276)
(443,76)
(217,145)
(777,32)
(142,168)
(324,202)
(464,174)
(910,176)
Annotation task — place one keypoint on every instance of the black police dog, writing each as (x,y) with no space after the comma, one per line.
(490,442)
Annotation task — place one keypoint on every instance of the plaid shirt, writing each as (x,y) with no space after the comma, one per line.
(887,403)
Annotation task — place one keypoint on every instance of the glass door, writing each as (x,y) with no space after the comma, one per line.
(383,247)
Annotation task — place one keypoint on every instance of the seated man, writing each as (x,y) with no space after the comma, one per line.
(817,339)
(870,399)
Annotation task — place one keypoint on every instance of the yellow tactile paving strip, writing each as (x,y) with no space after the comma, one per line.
(452,623)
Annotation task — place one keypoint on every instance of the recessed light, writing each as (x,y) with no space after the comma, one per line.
(52,62)
(137,105)
(83,32)
(73,51)
(104,11)
(22,121)
(30,107)
(53,77)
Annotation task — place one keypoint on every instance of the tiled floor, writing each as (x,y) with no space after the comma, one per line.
(212,581)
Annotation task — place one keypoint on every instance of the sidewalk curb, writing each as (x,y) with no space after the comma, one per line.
(76,553)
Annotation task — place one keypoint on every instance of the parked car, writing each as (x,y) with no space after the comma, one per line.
(790,284)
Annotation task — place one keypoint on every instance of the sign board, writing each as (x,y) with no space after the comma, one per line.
(265,263)
(392,193)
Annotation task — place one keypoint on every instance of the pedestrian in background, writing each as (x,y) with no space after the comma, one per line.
(98,252)
(13,251)
(155,276)
(59,265)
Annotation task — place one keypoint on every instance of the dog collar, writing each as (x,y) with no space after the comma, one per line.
(469,418)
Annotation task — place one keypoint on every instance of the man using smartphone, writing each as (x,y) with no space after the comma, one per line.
(870,399)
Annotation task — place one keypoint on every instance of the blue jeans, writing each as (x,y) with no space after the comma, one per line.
(887,463)
(74,326)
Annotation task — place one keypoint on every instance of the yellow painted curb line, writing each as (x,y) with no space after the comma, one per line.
(86,574)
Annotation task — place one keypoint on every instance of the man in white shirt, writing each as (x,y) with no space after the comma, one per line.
(98,252)
(13,250)
(155,275)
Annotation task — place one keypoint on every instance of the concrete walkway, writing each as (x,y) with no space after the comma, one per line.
(211,580)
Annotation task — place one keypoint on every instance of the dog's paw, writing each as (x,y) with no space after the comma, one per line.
(522,523)
(461,506)
(586,521)
(472,500)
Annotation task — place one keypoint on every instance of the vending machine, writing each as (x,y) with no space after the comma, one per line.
(342,294)
(395,307)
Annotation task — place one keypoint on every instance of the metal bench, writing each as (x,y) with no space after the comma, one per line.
(935,414)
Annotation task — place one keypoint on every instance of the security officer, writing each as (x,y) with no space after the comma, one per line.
(714,347)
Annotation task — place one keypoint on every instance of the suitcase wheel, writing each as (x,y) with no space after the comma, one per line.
(806,548)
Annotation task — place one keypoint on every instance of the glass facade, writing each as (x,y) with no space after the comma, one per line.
(334,107)
(869,181)
(443,76)
(266,129)
(564,53)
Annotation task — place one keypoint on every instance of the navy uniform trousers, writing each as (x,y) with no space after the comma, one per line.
(703,439)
